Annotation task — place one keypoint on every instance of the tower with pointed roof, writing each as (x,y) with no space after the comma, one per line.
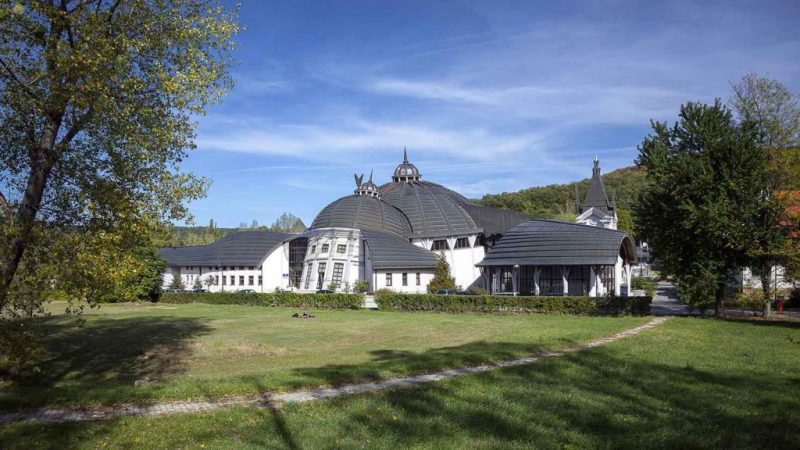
(596,209)
(405,171)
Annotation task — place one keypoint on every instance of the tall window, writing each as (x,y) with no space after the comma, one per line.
(388,279)
(308,274)
(321,274)
(462,243)
(224,280)
(405,279)
(241,280)
(440,244)
(338,268)
(216,280)
(313,249)
(419,281)
(325,248)
(341,249)
(233,280)
(260,280)
(250,280)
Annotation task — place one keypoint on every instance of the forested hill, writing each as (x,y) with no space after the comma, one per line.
(557,201)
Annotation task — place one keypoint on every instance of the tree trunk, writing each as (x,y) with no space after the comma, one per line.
(766,280)
(719,307)
(42,161)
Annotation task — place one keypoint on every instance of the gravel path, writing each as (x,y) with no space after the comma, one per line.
(275,400)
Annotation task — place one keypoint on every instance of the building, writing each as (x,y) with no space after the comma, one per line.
(393,235)
(596,210)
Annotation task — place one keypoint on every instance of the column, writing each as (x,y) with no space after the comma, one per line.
(628,274)
(564,279)
(536,272)
(515,278)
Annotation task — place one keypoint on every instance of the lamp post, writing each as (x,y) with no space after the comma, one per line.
(222,275)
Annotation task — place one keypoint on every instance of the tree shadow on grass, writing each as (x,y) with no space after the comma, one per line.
(586,400)
(102,360)
(389,363)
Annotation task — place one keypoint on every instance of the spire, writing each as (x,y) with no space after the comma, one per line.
(367,188)
(596,196)
(405,155)
(370,175)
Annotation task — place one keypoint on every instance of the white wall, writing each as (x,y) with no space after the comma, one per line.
(462,261)
(333,237)
(397,280)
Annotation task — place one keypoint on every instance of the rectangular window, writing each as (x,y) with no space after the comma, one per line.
(313,249)
(440,244)
(419,280)
(308,275)
(241,280)
(233,280)
(251,268)
(260,280)
(462,243)
(224,281)
(250,280)
(325,248)
(388,279)
(338,268)
(216,280)
(405,279)
(341,249)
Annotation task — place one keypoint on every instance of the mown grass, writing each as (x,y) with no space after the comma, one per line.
(192,351)
(690,383)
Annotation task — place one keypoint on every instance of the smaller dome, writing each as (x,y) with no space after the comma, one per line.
(363,211)
(406,171)
(368,188)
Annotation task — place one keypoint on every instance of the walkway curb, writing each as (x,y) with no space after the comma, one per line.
(275,400)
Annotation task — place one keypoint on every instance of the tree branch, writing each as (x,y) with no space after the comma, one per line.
(16,79)
(10,212)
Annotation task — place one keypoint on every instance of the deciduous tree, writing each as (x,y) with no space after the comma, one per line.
(703,196)
(97,107)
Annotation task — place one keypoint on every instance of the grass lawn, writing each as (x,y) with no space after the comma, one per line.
(690,383)
(193,351)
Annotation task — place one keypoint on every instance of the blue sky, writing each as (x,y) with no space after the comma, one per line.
(488,96)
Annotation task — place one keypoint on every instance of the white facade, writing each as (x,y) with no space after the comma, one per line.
(462,253)
(333,256)
(597,218)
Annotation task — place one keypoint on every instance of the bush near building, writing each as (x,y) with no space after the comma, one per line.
(291,299)
(508,304)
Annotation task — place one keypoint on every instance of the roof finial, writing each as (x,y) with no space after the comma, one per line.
(358,179)
(405,155)
(370,175)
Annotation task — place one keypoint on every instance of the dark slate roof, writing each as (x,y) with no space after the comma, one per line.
(389,251)
(493,220)
(406,170)
(596,197)
(362,211)
(432,209)
(245,248)
(547,242)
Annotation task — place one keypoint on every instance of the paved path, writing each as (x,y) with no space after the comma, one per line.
(274,400)
(666,303)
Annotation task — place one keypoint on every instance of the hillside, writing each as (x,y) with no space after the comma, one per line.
(557,201)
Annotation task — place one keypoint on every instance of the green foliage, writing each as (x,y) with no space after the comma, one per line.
(177,283)
(361,286)
(626,222)
(198,285)
(288,223)
(645,284)
(333,286)
(557,201)
(329,301)
(700,205)
(98,102)
(508,304)
(441,277)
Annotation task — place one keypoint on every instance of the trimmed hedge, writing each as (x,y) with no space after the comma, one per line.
(503,304)
(325,301)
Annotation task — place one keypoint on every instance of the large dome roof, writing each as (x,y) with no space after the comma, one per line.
(432,209)
(363,211)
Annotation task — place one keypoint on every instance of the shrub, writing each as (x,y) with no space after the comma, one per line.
(442,279)
(477,290)
(488,303)
(326,301)
(645,284)
(793,301)
(361,286)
